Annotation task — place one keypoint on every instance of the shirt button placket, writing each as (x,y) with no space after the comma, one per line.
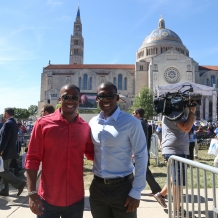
(102,147)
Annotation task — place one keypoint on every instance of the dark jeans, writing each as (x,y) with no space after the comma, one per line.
(191,150)
(71,211)
(107,200)
(152,182)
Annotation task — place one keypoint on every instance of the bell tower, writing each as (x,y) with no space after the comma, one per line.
(76,42)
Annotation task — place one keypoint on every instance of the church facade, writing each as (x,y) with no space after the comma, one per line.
(162,60)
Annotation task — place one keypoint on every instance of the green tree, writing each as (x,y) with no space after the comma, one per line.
(32,109)
(21,113)
(58,105)
(144,100)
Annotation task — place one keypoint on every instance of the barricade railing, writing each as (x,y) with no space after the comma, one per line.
(204,203)
(154,148)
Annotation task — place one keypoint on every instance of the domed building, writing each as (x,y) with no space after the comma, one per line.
(161,61)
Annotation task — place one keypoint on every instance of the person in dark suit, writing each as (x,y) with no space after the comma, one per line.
(139,114)
(8,151)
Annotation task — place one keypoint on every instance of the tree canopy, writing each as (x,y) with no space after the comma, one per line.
(32,109)
(144,100)
(21,113)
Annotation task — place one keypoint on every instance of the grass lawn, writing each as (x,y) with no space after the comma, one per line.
(159,171)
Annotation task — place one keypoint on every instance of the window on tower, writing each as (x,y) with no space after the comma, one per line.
(76,51)
(85,80)
(54,95)
(120,81)
(212,80)
(76,42)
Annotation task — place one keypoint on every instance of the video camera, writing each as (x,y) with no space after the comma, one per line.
(172,105)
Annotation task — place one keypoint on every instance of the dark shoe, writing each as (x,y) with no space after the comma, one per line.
(2,193)
(160,200)
(20,189)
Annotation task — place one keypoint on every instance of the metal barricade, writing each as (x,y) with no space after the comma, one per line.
(204,203)
(154,148)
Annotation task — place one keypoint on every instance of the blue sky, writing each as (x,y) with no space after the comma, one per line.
(32,32)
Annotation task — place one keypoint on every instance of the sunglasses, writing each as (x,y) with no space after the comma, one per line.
(108,96)
(68,97)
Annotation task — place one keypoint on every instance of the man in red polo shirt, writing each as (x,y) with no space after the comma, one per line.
(59,140)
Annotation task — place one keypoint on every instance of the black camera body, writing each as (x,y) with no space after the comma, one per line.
(172,105)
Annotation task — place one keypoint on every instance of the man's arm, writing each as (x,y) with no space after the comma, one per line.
(33,158)
(186,126)
(89,149)
(5,136)
(139,145)
(34,199)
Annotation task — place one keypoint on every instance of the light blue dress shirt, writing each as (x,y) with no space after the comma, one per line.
(115,140)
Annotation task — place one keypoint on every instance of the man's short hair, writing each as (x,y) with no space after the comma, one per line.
(49,108)
(10,111)
(140,111)
(108,84)
(70,86)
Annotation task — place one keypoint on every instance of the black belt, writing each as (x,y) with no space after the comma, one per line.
(113,181)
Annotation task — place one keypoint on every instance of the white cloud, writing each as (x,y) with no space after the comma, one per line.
(16,47)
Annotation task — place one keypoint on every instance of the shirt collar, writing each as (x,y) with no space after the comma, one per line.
(114,116)
(57,116)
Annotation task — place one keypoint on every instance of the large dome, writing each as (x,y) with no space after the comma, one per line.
(162,35)
(159,41)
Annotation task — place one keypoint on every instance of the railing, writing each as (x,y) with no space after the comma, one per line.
(154,148)
(201,201)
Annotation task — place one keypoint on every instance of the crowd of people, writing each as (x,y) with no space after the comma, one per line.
(118,144)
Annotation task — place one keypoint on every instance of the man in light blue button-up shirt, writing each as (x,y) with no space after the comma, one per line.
(116,135)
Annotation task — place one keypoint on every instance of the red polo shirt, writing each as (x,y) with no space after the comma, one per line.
(61,147)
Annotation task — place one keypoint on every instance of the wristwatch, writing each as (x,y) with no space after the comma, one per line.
(32,193)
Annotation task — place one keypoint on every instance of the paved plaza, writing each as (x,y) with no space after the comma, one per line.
(17,207)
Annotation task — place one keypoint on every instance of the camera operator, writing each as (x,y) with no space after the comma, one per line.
(175,141)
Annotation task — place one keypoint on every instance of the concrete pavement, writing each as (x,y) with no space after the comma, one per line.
(17,207)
